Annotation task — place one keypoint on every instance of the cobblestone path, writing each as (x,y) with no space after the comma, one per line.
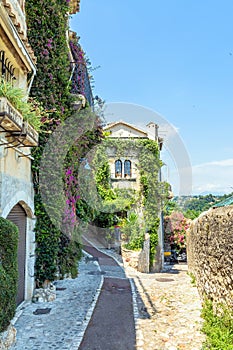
(169,310)
(63,327)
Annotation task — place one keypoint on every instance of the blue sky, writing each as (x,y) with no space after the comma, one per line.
(174,57)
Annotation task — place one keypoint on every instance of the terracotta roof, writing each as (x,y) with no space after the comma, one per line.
(74,6)
(20,30)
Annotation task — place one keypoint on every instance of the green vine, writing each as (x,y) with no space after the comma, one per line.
(47,22)
(151,194)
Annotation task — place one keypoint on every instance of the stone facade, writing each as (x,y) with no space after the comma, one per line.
(122,130)
(16,51)
(210,252)
(17,138)
(16,188)
(130,179)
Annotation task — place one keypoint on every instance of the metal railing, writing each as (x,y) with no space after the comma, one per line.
(80,77)
(6,68)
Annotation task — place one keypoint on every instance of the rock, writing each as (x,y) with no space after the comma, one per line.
(7,338)
(46,294)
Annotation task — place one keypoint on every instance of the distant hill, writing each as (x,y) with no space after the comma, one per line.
(193,206)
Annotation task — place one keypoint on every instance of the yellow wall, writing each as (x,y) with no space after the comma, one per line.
(15,166)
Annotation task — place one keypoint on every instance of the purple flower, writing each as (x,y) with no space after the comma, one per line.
(45,52)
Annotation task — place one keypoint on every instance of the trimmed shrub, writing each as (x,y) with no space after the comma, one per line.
(8,271)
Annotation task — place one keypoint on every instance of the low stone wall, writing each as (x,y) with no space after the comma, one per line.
(130,257)
(210,254)
(139,259)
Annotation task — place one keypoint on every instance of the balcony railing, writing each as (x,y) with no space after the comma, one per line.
(18,133)
(80,77)
(74,6)
(6,68)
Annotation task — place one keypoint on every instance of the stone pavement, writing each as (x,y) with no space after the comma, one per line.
(63,327)
(169,307)
(166,310)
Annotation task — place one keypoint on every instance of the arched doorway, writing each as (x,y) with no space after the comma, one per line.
(18,216)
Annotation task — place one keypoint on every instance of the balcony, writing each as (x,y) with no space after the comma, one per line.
(80,77)
(18,133)
(74,6)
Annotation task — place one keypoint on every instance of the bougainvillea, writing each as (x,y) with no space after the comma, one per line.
(81,71)
(175,227)
(71,192)
(47,22)
(57,249)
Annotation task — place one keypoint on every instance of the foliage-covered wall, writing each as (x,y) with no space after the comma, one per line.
(149,198)
(47,20)
(8,271)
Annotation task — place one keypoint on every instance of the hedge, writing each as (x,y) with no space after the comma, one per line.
(8,271)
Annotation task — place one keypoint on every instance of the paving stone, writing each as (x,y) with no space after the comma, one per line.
(58,329)
(173,308)
(166,306)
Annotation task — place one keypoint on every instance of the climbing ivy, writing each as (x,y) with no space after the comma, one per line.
(47,22)
(57,250)
(151,194)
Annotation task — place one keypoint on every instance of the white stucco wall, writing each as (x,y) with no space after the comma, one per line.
(16,188)
(124,131)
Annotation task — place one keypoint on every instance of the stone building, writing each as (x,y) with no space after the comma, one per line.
(123,168)
(125,175)
(17,66)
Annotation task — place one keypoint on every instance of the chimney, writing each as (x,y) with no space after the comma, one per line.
(153,130)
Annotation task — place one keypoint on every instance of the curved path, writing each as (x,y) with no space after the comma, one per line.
(112,324)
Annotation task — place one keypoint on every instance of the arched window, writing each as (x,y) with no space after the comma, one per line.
(118,168)
(127,168)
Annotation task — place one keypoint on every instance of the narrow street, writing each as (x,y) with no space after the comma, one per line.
(112,324)
(111,308)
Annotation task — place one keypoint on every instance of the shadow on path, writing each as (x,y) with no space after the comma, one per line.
(112,324)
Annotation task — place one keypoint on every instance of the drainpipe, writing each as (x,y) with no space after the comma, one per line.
(161,232)
(31,81)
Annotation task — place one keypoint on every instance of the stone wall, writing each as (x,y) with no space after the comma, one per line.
(138,259)
(210,254)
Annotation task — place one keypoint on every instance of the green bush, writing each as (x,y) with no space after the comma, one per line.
(153,232)
(70,252)
(218,327)
(8,271)
(132,232)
